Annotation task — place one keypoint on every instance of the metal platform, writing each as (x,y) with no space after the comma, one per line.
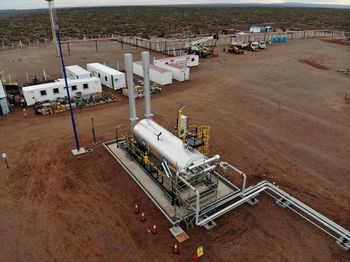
(174,214)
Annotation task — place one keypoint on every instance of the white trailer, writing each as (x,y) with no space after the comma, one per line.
(55,90)
(157,74)
(77,72)
(188,60)
(4,105)
(179,72)
(110,77)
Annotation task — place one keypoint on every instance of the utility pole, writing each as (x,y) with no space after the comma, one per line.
(54,25)
(93,132)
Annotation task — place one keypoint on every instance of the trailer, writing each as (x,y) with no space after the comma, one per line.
(187,60)
(109,77)
(158,75)
(55,90)
(4,105)
(260,29)
(179,72)
(77,72)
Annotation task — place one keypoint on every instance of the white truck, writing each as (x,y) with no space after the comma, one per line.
(252,46)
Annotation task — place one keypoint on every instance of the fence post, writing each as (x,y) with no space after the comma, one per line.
(68,48)
(44,74)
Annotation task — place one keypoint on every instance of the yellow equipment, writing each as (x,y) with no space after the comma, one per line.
(195,136)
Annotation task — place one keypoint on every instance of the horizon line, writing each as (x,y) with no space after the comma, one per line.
(294,4)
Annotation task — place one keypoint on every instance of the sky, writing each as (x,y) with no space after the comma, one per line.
(29,4)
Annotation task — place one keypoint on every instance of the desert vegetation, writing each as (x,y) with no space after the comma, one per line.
(76,22)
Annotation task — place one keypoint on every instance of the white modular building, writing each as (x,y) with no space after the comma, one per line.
(4,105)
(55,90)
(110,77)
(77,72)
(157,74)
(188,60)
(179,72)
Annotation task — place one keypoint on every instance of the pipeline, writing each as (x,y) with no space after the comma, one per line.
(263,186)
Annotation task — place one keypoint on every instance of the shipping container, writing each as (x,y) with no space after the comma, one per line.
(157,74)
(109,77)
(77,72)
(187,60)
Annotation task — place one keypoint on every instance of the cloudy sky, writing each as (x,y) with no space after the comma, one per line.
(27,4)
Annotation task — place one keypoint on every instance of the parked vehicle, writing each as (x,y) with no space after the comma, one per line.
(252,46)
(233,49)
(262,45)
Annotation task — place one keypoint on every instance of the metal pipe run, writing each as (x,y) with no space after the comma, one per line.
(197,197)
(147,84)
(207,161)
(254,191)
(128,61)
(226,165)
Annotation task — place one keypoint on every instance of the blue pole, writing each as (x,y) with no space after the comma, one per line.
(68,94)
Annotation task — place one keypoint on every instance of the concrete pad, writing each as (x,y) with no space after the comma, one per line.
(179,234)
(174,214)
(81,151)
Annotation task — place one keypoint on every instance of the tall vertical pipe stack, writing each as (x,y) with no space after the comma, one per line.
(128,61)
(147,84)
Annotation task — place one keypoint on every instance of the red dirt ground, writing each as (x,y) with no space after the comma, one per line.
(272,116)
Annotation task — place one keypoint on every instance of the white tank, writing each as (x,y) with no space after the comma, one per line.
(163,144)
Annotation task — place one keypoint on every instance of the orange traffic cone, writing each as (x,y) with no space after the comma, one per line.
(154,230)
(142,219)
(176,249)
(136,209)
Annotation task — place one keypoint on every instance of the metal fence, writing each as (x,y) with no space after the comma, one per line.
(175,47)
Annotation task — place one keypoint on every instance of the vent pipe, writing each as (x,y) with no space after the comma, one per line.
(128,62)
(147,84)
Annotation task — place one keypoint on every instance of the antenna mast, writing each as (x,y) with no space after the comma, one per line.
(54,25)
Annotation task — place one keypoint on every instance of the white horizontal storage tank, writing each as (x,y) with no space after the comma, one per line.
(110,77)
(77,72)
(157,74)
(164,144)
(179,72)
(188,60)
(55,90)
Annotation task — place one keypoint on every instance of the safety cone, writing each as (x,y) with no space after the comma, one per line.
(176,249)
(142,219)
(154,230)
(25,112)
(136,209)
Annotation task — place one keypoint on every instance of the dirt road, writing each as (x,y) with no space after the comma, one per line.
(274,117)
